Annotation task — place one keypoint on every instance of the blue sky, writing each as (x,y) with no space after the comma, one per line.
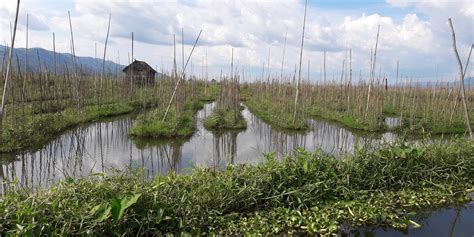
(413,32)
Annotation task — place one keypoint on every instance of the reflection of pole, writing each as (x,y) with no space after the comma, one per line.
(151,161)
(24,177)
(4,184)
(233,147)
(457,212)
(100,148)
(175,155)
(131,153)
(142,156)
(217,151)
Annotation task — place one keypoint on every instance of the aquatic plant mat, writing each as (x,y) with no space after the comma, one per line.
(308,192)
(176,125)
(225,119)
(39,129)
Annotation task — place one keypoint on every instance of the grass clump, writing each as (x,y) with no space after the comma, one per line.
(209,91)
(227,113)
(347,120)
(225,119)
(419,127)
(275,114)
(182,124)
(38,129)
(309,192)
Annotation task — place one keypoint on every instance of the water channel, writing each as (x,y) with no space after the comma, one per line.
(104,146)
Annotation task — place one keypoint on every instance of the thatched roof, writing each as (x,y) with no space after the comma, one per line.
(139,66)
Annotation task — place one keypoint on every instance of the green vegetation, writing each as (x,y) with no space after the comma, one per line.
(227,113)
(209,91)
(438,128)
(346,119)
(225,119)
(310,192)
(275,115)
(35,115)
(434,109)
(37,130)
(151,124)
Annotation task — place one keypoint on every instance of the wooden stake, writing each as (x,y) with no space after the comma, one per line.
(461,76)
(301,59)
(7,75)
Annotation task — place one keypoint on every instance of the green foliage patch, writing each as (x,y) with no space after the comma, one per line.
(151,124)
(308,192)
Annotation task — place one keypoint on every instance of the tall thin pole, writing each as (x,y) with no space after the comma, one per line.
(182,47)
(461,76)
(7,75)
(232,65)
(372,74)
(25,78)
(268,63)
(131,70)
(26,47)
(283,58)
(175,69)
(179,80)
(54,54)
(301,59)
(324,65)
(103,59)
(73,57)
(350,66)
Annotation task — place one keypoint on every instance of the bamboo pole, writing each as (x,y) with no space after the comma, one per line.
(73,58)
(131,71)
(324,62)
(301,58)
(461,76)
(372,74)
(54,54)
(179,80)
(7,75)
(103,59)
(283,57)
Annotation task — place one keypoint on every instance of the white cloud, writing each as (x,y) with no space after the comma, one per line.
(418,39)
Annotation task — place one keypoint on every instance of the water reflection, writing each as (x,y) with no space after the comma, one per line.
(392,122)
(449,222)
(103,146)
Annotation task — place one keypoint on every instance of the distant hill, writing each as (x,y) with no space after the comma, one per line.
(87,64)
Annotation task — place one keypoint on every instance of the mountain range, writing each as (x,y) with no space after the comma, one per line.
(46,57)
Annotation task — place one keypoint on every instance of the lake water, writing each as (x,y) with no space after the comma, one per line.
(105,145)
(446,222)
(102,146)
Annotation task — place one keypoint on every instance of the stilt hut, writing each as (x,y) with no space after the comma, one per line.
(140,73)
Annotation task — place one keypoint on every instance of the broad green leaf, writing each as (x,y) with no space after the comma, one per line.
(115,208)
(120,205)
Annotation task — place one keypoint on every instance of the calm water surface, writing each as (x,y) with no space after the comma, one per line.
(104,146)
(447,222)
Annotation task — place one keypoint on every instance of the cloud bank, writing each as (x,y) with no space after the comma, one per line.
(413,32)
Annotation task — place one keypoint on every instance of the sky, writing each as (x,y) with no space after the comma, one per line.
(415,33)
